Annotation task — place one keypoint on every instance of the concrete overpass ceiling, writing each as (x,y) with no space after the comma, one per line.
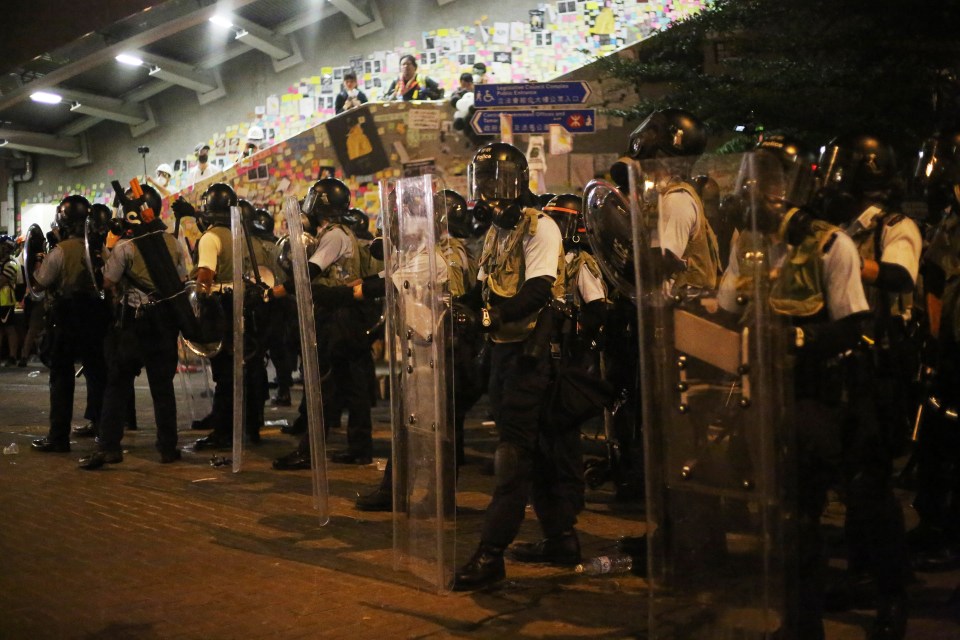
(177,45)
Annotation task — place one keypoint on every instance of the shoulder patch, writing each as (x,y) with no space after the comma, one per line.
(893,219)
(829,242)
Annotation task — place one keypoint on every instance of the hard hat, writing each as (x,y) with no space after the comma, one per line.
(165,168)
(254,134)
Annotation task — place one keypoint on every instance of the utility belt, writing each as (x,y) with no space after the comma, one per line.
(553,321)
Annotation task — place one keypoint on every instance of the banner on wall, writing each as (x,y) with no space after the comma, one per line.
(356,142)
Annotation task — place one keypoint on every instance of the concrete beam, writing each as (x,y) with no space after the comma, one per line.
(43,143)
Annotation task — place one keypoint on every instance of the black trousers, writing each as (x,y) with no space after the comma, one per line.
(141,341)
(255,376)
(347,386)
(78,327)
(533,461)
(282,340)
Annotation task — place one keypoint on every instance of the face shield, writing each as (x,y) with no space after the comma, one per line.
(502,180)
(770,185)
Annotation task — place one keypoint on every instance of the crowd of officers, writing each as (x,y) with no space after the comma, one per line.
(887,297)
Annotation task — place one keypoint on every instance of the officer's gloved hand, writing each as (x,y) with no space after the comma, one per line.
(490,320)
(182,208)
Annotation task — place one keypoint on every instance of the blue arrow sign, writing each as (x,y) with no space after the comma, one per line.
(573,120)
(530,94)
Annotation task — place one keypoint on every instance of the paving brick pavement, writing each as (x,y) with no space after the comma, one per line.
(143,550)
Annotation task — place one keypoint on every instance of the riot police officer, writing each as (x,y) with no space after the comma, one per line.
(143,335)
(817,289)
(78,322)
(213,273)
(858,191)
(341,340)
(936,540)
(667,144)
(522,242)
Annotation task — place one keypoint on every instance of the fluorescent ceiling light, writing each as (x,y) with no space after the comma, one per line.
(133,61)
(221,21)
(45,97)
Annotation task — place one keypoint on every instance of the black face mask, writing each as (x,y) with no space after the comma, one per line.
(202,158)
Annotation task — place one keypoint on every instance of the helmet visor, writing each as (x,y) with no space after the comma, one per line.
(835,168)
(502,181)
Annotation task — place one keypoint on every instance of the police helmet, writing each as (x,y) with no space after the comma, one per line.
(215,205)
(938,171)
(358,222)
(262,224)
(775,179)
(567,211)
(853,170)
(7,245)
(544,199)
(668,133)
(499,183)
(328,199)
(101,215)
(453,208)
(72,216)
(151,198)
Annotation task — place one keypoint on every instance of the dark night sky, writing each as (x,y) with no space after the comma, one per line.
(33,27)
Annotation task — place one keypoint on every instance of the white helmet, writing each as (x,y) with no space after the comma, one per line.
(165,168)
(254,134)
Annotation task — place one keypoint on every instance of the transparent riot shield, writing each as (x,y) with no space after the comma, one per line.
(34,245)
(196,381)
(418,330)
(239,325)
(308,349)
(715,412)
(92,256)
(607,216)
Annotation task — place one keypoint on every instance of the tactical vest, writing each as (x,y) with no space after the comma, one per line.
(75,278)
(369,266)
(702,255)
(138,272)
(870,247)
(572,268)
(799,289)
(461,268)
(224,272)
(265,253)
(345,269)
(503,264)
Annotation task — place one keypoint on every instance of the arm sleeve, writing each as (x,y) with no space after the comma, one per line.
(532,296)
(841,263)
(894,278)
(901,248)
(208,248)
(332,247)
(116,264)
(541,251)
(592,317)
(338,102)
(590,286)
(677,223)
(49,270)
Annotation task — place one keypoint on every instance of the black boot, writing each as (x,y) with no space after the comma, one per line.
(483,569)
(377,500)
(563,550)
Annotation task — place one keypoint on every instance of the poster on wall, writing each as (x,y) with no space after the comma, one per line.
(357,143)
(419,167)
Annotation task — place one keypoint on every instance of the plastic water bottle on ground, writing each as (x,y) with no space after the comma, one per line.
(601,565)
(11,449)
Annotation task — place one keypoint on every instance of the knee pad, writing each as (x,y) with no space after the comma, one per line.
(506,465)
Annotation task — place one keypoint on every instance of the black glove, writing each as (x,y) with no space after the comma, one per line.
(182,208)
(490,320)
